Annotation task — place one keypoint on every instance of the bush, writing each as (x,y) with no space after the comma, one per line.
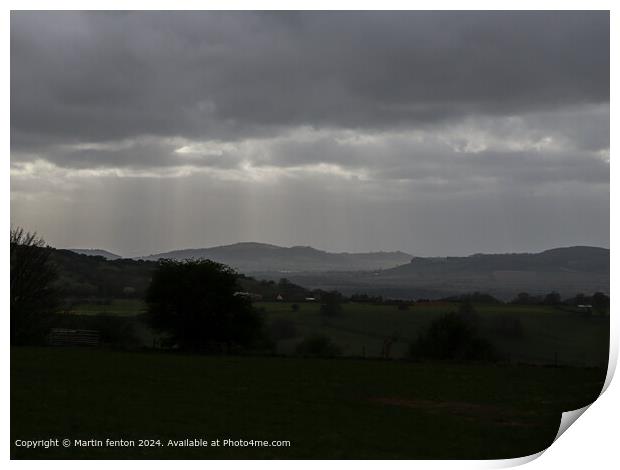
(452,337)
(318,346)
(523,298)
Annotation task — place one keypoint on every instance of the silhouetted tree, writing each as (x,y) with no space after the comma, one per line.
(523,298)
(600,302)
(33,295)
(451,337)
(580,299)
(552,298)
(474,297)
(194,302)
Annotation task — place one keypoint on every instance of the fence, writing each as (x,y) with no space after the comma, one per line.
(67,337)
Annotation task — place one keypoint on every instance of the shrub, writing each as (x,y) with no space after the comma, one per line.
(318,346)
(452,337)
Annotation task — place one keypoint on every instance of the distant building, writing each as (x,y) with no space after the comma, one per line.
(248,295)
(585,308)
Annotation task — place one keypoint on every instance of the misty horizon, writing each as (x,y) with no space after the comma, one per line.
(407,252)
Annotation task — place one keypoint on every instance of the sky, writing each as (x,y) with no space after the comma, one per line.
(434,133)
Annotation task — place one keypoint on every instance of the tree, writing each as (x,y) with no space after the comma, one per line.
(523,298)
(33,294)
(451,337)
(600,302)
(580,299)
(552,298)
(194,302)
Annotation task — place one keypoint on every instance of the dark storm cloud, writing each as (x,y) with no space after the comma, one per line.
(430,132)
(93,77)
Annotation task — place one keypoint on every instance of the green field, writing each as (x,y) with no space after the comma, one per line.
(120,307)
(339,408)
(550,335)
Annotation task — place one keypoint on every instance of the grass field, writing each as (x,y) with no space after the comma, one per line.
(342,408)
(550,335)
(121,307)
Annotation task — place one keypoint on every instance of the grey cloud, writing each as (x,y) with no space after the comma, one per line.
(138,153)
(140,215)
(528,150)
(431,132)
(101,76)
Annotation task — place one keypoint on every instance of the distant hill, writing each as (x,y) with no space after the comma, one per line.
(571,259)
(93,277)
(568,271)
(261,257)
(94,252)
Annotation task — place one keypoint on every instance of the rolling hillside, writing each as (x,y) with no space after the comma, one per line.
(261,257)
(566,270)
(95,252)
(569,271)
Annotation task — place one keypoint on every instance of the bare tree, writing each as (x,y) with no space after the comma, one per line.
(33,295)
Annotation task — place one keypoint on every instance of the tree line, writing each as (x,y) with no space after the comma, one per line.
(196,305)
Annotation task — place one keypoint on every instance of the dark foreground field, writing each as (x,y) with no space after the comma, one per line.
(326,408)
